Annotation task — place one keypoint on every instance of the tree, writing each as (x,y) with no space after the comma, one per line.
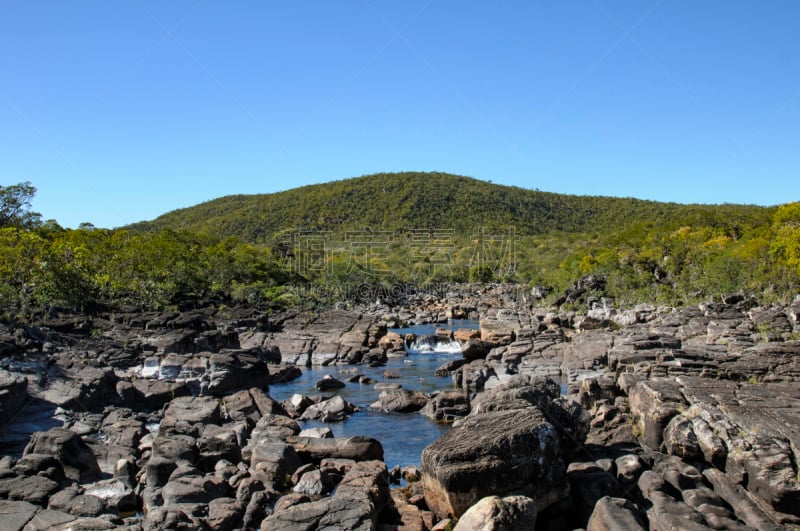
(15,204)
(786,244)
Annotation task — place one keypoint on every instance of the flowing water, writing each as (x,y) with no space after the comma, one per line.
(403,435)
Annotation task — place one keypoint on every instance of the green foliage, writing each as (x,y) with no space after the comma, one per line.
(366,239)
(786,245)
(15,203)
(401,202)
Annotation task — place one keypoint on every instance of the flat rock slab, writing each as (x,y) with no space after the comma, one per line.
(15,514)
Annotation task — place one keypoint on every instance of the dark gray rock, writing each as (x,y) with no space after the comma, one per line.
(334,409)
(400,401)
(274,461)
(615,514)
(75,456)
(194,410)
(494,453)
(32,489)
(357,448)
(653,403)
(447,405)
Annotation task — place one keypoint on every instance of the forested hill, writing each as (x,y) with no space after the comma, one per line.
(406,201)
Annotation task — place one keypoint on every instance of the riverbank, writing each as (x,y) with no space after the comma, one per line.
(674,417)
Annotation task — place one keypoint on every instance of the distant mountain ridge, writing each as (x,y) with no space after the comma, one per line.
(416,200)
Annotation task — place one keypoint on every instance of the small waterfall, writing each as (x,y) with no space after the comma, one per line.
(433,345)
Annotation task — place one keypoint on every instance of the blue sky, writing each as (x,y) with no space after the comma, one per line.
(121,111)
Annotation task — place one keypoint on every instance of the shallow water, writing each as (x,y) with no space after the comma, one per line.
(403,435)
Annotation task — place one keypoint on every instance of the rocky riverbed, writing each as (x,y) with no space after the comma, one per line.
(675,418)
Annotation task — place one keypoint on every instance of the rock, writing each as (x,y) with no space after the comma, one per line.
(615,514)
(259,506)
(392,342)
(224,514)
(16,513)
(449,367)
(272,428)
(147,395)
(495,514)
(359,498)
(462,335)
(115,494)
(447,405)
(329,382)
(50,520)
(589,483)
(408,516)
(318,433)
(680,439)
(476,349)
(85,389)
(220,443)
(158,470)
(194,410)
(193,489)
(334,409)
(274,461)
(653,403)
(333,470)
(500,329)
(356,448)
(400,401)
(356,504)
(250,405)
(233,370)
(32,489)
(312,483)
(570,419)
(75,456)
(71,501)
(493,453)
(175,447)
(39,465)
(736,496)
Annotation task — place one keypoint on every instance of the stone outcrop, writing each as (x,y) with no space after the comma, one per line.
(672,418)
(506,445)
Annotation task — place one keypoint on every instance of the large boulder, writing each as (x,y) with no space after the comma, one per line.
(75,456)
(653,404)
(494,453)
(87,389)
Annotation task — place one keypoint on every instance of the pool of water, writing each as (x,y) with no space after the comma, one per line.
(403,435)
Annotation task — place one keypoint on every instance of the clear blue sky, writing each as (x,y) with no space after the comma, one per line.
(121,111)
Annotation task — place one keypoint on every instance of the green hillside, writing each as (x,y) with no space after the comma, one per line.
(405,201)
(385,231)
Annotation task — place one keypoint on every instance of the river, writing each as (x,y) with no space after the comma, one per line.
(403,435)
